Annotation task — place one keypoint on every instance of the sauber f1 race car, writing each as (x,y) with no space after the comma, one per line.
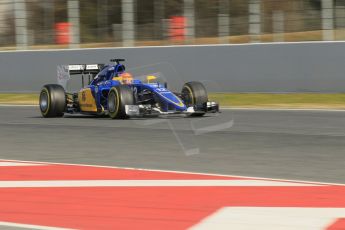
(114,92)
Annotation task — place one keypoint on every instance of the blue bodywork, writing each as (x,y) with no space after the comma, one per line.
(103,82)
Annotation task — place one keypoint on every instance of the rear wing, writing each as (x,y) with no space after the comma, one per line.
(90,69)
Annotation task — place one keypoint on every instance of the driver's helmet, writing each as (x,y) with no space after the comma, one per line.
(124,78)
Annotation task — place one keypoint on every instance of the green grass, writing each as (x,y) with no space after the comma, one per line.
(288,100)
(19,98)
(248,100)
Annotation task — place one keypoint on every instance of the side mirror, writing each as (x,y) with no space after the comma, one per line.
(150,78)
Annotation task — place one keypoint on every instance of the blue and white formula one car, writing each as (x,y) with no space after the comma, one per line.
(113,91)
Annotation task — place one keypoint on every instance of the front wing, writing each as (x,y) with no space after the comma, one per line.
(142,110)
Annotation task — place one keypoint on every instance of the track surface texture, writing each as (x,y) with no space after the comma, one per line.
(299,145)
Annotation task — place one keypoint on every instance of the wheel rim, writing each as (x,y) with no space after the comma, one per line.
(111,102)
(186,95)
(44,101)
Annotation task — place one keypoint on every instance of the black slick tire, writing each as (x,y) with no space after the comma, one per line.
(52,101)
(194,93)
(118,97)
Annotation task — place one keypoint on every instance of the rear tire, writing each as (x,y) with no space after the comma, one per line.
(194,93)
(118,97)
(52,101)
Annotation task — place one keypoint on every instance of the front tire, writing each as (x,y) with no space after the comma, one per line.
(194,93)
(52,101)
(118,97)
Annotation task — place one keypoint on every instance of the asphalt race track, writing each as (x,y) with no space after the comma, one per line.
(299,145)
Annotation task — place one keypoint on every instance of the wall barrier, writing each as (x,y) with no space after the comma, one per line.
(272,67)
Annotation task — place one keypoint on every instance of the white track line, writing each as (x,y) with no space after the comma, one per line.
(271,218)
(11,164)
(146,183)
(175,46)
(282,109)
(184,172)
(29,226)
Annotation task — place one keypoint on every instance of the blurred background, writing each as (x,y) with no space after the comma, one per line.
(53,24)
